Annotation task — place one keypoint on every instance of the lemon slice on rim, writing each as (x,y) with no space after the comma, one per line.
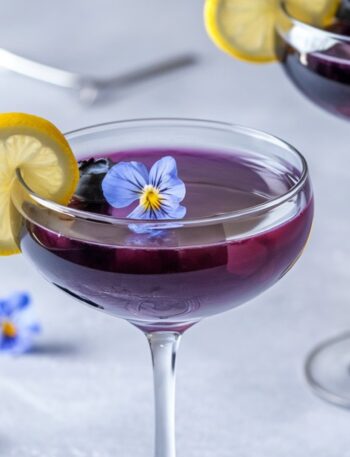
(47,165)
(246,28)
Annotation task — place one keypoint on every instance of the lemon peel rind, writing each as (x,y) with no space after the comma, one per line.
(7,252)
(43,130)
(210,20)
(323,20)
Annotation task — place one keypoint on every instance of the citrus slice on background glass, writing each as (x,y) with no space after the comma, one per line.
(47,165)
(246,28)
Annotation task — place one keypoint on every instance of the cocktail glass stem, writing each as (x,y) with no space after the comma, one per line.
(328,370)
(164,348)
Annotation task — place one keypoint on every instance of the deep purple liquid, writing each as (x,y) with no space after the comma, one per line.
(323,76)
(161,286)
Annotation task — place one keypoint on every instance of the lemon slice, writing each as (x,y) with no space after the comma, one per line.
(47,165)
(246,28)
(316,12)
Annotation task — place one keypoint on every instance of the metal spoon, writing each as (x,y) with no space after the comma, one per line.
(89,87)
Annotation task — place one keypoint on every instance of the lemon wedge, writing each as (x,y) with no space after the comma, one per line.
(246,28)
(47,165)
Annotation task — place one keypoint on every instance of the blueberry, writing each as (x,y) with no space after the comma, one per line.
(92,172)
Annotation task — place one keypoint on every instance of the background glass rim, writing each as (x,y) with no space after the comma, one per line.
(169,223)
(309,27)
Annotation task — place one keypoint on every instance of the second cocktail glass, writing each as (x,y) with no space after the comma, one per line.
(318,62)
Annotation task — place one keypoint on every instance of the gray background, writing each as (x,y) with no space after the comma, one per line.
(86,391)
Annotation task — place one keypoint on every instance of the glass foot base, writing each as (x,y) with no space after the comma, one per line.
(328,370)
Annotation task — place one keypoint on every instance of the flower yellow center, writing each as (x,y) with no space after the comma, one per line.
(150,198)
(8,329)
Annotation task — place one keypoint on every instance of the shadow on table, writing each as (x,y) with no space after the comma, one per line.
(56,348)
(4,445)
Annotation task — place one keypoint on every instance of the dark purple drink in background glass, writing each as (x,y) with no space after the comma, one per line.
(322,74)
(156,280)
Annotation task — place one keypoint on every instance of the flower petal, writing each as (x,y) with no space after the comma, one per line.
(176,213)
(124,182)
(163,176)
(15,346)
(34,328)
(171,212)
(164,169)
(27,331)
(17,312)
(165,212)
(141,213)
(174,187)
(143,229)
(16,302)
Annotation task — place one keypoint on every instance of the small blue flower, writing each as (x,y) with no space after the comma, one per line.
(159,191)
(18,327)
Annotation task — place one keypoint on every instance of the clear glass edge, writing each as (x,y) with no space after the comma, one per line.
(309,27)
(262,207)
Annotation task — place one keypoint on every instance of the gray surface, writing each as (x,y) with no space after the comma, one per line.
(86,391)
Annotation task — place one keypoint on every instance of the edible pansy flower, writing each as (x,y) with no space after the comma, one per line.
(18,326)
(159,191)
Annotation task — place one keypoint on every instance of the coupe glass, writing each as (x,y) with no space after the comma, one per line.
(165,276)
(318,63)
(316,60)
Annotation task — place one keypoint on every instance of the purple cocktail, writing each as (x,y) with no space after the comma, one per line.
(157,280)
(249,212)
